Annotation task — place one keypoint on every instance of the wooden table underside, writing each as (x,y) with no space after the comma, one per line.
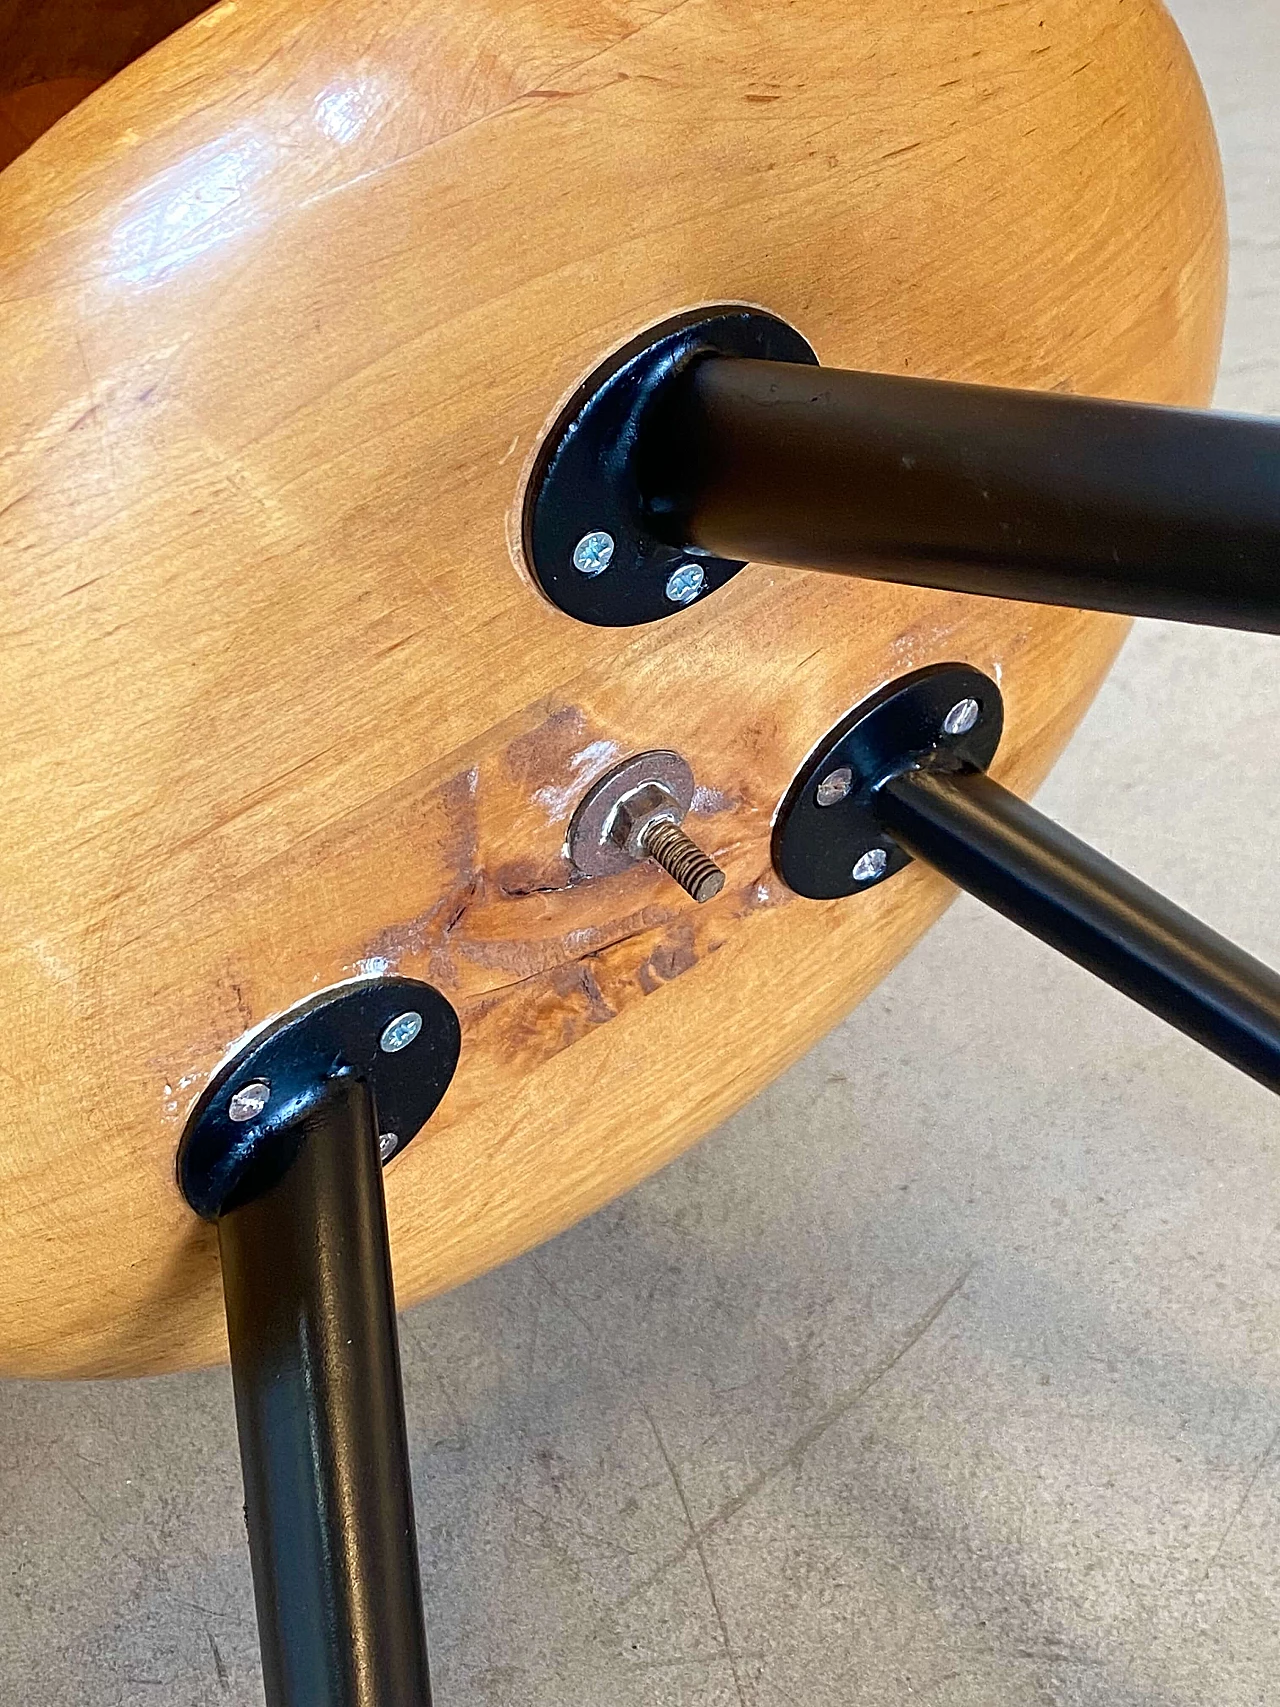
(287,305)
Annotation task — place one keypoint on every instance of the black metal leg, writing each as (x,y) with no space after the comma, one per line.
(320,1410)
(284,1151)
(904,777)
(715,440)
(1020,494)
(1061,890)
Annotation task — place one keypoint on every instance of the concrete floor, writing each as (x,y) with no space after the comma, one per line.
(947,1371)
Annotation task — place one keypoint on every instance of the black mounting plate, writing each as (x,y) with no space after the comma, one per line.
(222,1160)
(584,478)
(817,847)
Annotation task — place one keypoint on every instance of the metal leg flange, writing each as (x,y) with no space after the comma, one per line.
(714,440)
(903,778)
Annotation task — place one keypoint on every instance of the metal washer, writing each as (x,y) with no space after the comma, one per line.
(590,847)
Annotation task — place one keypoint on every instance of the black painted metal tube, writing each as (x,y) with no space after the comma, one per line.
(1027,867)
(320,1410)
(1018,494)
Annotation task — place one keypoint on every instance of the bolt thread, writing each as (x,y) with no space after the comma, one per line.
(684,860)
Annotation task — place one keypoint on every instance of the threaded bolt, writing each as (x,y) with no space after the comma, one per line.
(667,845)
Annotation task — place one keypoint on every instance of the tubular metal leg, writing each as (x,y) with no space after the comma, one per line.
(320,1411)
(1067,894)
(715,440)
(1013,494)
(903,776)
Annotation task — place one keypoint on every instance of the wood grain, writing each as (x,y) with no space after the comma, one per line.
(288,304)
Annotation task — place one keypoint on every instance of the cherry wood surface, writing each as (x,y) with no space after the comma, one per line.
(286,305)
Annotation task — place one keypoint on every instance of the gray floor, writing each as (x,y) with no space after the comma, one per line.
(948,1371)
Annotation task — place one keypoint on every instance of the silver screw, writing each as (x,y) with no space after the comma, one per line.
(835,786)
(871,866)
(388,1144)
(400,1033)
(249,1101)
(685,583)
(962,717)
(593,553)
